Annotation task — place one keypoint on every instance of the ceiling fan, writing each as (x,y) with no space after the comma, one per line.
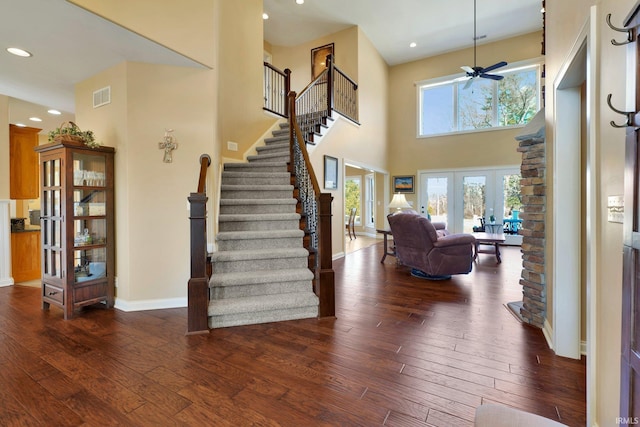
(475,71)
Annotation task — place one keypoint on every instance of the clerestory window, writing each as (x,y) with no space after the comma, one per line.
(450,105)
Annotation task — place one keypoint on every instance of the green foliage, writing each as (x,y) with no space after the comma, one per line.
(512,196)
(72,129)
(351,195)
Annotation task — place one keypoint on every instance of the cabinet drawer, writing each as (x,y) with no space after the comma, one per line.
(53,293)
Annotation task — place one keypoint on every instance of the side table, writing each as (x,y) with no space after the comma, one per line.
(387,251)
(492,239)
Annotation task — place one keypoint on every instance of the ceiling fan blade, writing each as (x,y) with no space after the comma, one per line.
(491,76)
(467,69)
(494,67)
(468,84)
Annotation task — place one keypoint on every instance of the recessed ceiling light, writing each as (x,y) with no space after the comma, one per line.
(265,15)
(54,112)
(35,119)
(412,44)
(299,1)
(21,125)
(19,52)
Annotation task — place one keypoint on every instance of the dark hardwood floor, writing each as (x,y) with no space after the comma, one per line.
(401,352)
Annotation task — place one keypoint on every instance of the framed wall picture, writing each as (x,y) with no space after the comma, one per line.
(330,173)
(319,58)
(403,184)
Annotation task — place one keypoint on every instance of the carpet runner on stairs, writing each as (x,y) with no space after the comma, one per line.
(260,271)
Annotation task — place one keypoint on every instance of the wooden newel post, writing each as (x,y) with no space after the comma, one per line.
(326,281)
(287,89)
(329,62)
(198,287)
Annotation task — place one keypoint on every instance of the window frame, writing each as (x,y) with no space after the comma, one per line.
(455,79)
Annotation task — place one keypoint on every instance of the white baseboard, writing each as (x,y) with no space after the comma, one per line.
(583,348)
(6,282)
(153,304)
(547,331)
(337,256)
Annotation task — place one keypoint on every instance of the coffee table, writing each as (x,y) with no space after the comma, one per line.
(490,239)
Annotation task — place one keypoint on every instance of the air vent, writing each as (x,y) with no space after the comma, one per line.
(102,97)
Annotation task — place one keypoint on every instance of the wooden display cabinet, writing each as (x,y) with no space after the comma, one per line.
(78,239)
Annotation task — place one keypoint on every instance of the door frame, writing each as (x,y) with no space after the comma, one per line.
(580,66)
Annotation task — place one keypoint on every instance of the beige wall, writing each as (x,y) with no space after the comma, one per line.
(240,114)
(151,208)
(408,153)
(363,144)
(564,22)
(187,26)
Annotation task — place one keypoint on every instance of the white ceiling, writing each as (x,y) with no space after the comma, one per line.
(437,26)
(69,44)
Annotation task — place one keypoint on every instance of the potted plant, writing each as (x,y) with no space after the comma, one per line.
(70,132)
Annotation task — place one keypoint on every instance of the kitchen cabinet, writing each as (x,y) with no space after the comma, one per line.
(23,162)
(25,255)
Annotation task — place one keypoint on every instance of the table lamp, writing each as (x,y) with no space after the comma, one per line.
(399,202)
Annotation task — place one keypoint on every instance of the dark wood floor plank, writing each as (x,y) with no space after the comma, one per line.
(401,352)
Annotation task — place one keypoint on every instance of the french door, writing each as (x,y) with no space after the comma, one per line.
(461,197)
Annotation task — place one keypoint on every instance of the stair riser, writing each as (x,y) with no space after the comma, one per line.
(274,144)
(258,225)
(255,194)
(257,209)
(221,292)
(262,317)
(249,180)
(248,167)
(259,264)
(247,244)
(260,159)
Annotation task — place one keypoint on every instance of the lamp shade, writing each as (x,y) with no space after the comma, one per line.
(399,202)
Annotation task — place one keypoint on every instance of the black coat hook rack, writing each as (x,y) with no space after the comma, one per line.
(629,32)
(629,115)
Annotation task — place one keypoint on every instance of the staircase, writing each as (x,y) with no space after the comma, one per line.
(260,271)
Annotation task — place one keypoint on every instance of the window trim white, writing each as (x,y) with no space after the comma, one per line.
(450,79)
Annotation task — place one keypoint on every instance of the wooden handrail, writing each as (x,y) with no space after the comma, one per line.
(277,84)
(203,172)
(355,85)
(318,212)
(298,132)
(314,82)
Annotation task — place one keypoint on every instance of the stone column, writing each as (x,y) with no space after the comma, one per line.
(533,190)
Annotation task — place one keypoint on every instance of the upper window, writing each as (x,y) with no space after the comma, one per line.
(448,107)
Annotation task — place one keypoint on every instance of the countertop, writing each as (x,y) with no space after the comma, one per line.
(27,228)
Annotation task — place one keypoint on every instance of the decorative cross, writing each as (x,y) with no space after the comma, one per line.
(168,144)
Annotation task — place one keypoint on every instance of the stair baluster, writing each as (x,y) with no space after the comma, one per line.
(316,209)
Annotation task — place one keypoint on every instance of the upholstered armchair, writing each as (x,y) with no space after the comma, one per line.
(431,254)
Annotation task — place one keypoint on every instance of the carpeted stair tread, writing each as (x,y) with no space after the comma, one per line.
(257,174)
(249,187)
(258,254)
(258,217)
(242,278)
(259,234)
(240,202)
(262,303)
(254,166)
(262,158)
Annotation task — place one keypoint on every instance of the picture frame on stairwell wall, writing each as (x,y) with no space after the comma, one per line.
(319,58)
(403,184)
(330,173)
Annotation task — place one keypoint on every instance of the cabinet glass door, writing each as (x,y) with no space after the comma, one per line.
(89,217)
(52,218)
